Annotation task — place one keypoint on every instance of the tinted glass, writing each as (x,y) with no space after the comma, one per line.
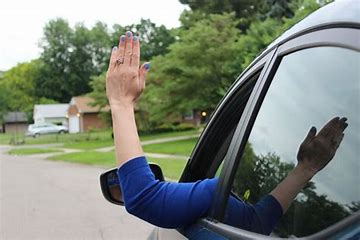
(214,148)
(309,88)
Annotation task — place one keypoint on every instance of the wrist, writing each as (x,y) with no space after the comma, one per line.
(121,106)
(304,172)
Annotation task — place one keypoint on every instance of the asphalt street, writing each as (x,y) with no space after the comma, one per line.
(41,199)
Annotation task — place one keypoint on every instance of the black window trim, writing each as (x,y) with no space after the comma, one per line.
(345,37)
(227,174)
(206,134)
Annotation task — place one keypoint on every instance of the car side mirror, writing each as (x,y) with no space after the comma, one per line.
(111,188)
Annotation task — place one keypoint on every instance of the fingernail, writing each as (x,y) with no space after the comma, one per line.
(114,48)
(128,33)
(147,66)
(122,38)
(135,39)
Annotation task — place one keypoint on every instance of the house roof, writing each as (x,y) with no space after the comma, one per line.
(84,105)
(51,110)
(14,117)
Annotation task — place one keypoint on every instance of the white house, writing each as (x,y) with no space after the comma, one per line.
(51,113)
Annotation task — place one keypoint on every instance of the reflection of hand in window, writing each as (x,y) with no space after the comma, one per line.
(315,152)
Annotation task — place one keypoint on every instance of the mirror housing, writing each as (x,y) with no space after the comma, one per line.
(111,188)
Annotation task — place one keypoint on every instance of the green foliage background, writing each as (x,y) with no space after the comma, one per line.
(191,66)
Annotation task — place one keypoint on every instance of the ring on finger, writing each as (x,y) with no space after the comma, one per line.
(119,61)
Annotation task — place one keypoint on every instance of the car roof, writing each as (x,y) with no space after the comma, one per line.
(338,12)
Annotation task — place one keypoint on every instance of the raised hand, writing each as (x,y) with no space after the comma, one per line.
(317,150)
(125,81)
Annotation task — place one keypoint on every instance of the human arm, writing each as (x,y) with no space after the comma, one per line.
(125,82)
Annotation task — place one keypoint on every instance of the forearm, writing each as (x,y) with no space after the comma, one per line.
(127,142)
(288,189)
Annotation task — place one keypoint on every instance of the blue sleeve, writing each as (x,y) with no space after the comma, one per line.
(260,218)
(174,205)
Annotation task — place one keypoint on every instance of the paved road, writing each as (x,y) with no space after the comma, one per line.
(42,199)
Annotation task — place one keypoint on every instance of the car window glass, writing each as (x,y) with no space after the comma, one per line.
(310,87)
(228,120)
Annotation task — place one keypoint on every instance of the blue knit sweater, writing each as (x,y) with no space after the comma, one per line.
(175,205)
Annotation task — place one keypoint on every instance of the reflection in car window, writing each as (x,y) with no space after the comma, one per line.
(309,88)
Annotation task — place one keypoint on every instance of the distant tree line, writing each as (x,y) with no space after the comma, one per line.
(191,66)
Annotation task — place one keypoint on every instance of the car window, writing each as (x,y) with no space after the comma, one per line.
(310,87)
(223,129)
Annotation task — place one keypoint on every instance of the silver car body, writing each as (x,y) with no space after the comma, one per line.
(35,130)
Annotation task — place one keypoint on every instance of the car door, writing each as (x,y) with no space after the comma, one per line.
(41,128)
(214,141)
(311,79)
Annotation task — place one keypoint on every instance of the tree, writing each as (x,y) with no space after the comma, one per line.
(196,71)
(70,57)
(17,86)
(154,39)
(248,11)
(18,89)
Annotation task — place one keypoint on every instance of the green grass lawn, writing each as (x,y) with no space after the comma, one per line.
(90,144)
(29,151)
(88,157)
(5,138)
(168,134)
(181,147)
(172,169)
(70,138)
(90,140)
(106,141)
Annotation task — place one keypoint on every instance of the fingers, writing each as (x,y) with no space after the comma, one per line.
(143,71)
(128,48)
(311,134)
(343,123)
(135,57)
(334,131)
(113,57)
(128,52)
(329,127)
(121,49)
(338,141)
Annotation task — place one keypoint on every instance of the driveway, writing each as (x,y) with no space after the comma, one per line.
(42,199)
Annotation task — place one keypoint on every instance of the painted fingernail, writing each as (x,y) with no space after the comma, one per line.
(147,66)
(114,48)
(135,39)
(128,33)
(122,38)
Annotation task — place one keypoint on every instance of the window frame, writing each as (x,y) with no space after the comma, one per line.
(343,37)
(195,163)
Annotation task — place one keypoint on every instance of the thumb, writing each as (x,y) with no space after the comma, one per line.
(143,71)
(310,135)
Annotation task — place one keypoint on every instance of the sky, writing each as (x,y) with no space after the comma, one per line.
(22,21)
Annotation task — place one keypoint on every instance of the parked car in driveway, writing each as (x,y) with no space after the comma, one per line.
(35,130)
(308,75)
